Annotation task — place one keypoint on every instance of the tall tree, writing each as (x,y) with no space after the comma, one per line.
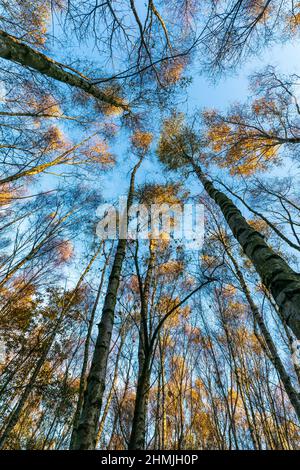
(179,146)
(86,434)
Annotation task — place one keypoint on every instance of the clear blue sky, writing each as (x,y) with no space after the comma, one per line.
(203,93)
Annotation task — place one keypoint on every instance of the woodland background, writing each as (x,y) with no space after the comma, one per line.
(146,344)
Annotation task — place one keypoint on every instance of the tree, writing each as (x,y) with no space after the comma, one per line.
(177,147)
(86,434)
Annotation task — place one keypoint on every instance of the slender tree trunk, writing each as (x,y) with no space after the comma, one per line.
(110,396)
(157,439)
(276,274)
(11,48)
(117,411)
(163,398)
(273,353)
(91,409)
(60,160)
(289,335)
(28,389)
(82,382)
(138,431)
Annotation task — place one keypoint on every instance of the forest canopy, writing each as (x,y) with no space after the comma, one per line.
(149,342)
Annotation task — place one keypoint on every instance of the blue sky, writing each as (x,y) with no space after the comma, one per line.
(203,93)
(234,87)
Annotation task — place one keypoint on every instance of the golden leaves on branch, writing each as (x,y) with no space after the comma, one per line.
(260,226)
(293,19)
(152,193)
(168,341)
(209,261)
(98,152)
(7,193)
(54,139)
(172,71)
(229,291)
(203,422)
(142,140)
(263,106)
(235,309)
(22,294)
(258,9)
(134,284)
(44,104)
(64,251)
(171,268)
(112,107)
(177,141)
(239,147)
(194,333)
(34,102)
(34,16)
(188,283)
(112,92)
(247,340)
(166,304)
(171,143)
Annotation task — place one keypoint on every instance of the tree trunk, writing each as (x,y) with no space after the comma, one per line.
(86,358)
(11,48)
(276,274)
(16,413)
(273,353)
(112,390)
(91,409)
(138,432)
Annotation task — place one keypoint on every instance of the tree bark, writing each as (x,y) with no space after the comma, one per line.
(272,350)
(138,430)
(111,392)
(11,48)
(91,409)
(282,281)
(86,357)
(17,412)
